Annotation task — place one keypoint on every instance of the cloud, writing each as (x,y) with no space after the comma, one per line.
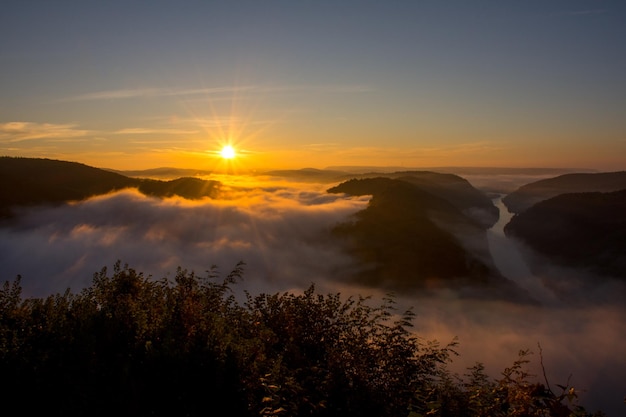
(23,131)
(157,92)
(124,94)
(116,94)
(415,155)
(279,234)
(279,229)
(153,131)
(585,344)
(322,88)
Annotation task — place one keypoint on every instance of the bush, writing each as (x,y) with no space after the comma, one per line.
(133,345)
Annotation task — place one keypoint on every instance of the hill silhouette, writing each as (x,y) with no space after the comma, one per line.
(408,238)
(530,194)
(33,181)
(421,229)
(455,190)
(163,173)
(452,188)
(581,229)
(310,175)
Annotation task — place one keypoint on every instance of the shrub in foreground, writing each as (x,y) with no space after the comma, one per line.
(132,345)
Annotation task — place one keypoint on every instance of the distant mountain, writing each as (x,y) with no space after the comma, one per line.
(452,188)
(163,173)
(32,181)
(310,174)
(455,190)
(585,230)
(186,187)
(458,170)
(409,238)
(530,194)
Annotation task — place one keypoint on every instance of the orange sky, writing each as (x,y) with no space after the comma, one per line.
(292,85)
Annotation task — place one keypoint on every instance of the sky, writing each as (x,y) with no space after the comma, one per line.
(293,84)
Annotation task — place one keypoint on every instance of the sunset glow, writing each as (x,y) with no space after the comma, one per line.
(497,86)
(228,152)
(466,158)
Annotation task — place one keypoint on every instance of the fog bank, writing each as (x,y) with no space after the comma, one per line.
(280,230)
(280,235)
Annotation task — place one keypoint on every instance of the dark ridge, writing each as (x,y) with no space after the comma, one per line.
(585,230)
(190,188)
(309,174)
(33,181)
(457,191)
(461,170)
(450,187)
(29,181)
(537,191)
(163,173)
(402,241)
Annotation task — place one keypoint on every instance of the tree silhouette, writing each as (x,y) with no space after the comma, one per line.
(133,345)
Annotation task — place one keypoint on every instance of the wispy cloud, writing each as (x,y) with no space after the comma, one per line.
(259,89)
(321,88)
(115,94)
(154,131)
(22,131)
(416,152)
(209,122)
(322,146)
(479,147)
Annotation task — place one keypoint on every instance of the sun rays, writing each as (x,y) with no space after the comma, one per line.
(228,152)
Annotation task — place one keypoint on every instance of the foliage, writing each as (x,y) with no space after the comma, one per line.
(133,345)
(402,244)
(515,394)
(33,181)
(582,230)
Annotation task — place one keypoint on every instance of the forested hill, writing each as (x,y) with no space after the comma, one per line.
(455,190)
(410,238)
(530,194)
(581,230)
(32,181)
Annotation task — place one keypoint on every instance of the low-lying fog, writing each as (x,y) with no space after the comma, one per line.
(277,229)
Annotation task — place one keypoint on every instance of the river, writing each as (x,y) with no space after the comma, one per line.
(509,260)
(584,340)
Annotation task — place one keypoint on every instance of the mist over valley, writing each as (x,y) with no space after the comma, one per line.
(434,239)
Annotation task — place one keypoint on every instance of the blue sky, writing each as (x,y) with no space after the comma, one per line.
(315,83)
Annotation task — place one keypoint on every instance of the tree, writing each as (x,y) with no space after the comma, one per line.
(131,344)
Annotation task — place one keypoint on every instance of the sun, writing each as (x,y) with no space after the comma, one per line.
(228,152)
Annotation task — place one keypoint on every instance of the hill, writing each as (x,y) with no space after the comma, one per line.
(585,230)
(537,191)
(309,175)
(459,170)
(452,188)
(408,238)
(163,173)
(455,190)
(33,181)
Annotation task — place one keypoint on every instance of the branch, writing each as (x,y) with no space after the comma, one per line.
(543,369)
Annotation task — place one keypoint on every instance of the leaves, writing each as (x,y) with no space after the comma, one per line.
(187,347)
